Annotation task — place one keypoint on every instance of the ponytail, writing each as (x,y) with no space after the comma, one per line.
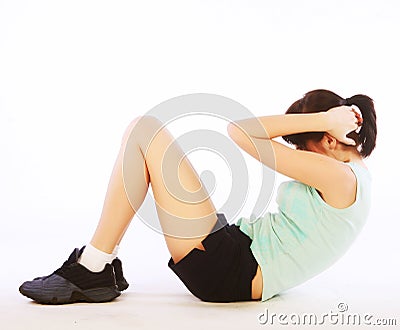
(367,134)
(322,100)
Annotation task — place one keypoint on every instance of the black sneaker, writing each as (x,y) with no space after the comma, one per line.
(73,283)
(122,283)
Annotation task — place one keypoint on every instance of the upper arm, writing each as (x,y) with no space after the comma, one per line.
(332,178)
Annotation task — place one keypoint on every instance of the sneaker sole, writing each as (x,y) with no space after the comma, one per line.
(62,291)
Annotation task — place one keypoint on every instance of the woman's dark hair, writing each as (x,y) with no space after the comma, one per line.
(322,100)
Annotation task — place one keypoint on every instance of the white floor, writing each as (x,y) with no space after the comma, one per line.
(156,298)
(143,308)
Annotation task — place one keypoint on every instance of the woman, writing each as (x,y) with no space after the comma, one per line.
(320,212)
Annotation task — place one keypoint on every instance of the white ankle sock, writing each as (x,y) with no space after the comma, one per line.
(94,259)
(115,252)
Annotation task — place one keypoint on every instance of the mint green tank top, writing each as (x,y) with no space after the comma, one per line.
(306,235)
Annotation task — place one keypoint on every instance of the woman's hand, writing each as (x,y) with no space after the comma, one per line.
(343,120)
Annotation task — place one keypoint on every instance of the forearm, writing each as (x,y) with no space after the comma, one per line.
(269,127)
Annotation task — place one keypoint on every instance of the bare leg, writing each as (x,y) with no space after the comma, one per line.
(117,212)
(186,218)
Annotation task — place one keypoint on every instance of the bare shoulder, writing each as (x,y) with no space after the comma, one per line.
(343,193)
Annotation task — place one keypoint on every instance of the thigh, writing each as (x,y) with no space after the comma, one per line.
(185,210)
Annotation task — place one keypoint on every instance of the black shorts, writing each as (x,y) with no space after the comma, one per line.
(224,271)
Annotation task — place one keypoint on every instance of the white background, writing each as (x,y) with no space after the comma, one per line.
(74,73)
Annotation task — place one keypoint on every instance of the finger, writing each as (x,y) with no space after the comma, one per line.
(357,111)
(357,114)
(353,114)
(349,141)
(354,126)
(356,118)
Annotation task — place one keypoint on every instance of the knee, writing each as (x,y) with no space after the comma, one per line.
(145,122)
(129,129)
(150,122)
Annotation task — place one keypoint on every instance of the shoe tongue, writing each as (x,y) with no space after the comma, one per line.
(81,250)
(74,256)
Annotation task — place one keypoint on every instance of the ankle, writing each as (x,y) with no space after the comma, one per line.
(94,259)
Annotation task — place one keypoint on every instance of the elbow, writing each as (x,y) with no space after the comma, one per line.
(232,130)
(237,134)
